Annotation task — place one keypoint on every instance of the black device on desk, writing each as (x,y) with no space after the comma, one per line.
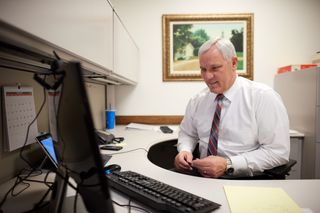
(108,138)
(166,129)
(111,147)
(104,138)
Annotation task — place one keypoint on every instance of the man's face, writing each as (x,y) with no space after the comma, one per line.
(218,73)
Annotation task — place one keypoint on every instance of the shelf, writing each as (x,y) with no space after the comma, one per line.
(20,50)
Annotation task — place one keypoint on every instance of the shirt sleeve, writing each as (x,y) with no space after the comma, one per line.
(273,136)
(188,137)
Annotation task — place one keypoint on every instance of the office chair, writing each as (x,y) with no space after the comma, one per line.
(163,155)
(280,172)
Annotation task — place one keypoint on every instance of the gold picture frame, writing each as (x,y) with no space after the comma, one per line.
(182,35)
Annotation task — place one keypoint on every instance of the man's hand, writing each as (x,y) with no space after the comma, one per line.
(183,161)
(211,166)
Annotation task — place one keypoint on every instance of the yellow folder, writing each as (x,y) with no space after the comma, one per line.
(243,199)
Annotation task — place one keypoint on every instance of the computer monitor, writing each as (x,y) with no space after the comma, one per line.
(79,156)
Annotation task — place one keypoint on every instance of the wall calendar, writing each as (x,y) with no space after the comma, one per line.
(18,113)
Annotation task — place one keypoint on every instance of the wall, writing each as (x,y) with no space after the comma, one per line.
(285,32)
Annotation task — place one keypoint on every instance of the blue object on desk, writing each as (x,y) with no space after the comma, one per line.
(111,168)
(110,119)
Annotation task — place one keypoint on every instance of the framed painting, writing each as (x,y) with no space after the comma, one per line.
(182,36)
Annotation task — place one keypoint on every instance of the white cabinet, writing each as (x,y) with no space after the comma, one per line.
(80,26)
(126,53)
(86,28)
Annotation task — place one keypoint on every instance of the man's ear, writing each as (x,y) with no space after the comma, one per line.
(234,62)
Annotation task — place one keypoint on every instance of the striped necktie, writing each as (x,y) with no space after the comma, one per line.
(214,132)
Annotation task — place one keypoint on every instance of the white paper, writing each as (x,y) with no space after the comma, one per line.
(19,111)
(142,126)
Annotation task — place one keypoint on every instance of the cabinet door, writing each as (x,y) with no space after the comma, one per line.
(295,154)
(83,27)
(126,53)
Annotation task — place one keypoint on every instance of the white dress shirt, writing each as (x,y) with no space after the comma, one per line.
(253,129)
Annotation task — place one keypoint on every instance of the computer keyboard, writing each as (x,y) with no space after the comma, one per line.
(158,195)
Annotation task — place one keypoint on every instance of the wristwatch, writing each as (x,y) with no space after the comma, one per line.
(229,169)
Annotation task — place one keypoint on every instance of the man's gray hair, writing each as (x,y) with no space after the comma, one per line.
(223,45)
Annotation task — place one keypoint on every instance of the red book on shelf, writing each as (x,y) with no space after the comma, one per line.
(295,67)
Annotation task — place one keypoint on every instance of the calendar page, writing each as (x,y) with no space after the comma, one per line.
(19,111)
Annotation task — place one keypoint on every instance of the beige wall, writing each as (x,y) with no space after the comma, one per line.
(285,32)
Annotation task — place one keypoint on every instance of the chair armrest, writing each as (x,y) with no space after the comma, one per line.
(280,172)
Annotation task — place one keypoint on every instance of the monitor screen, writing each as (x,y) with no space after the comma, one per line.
(78,148)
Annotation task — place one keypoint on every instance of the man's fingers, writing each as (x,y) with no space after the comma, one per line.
(188,158)
(181,161)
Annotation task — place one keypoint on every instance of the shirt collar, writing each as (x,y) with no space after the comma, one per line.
(231,92)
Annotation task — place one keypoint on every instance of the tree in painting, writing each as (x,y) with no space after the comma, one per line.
(181,37)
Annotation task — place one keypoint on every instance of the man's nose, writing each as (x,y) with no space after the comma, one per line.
(209,75)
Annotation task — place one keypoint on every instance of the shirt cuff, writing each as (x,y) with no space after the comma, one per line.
(240,166)
(185,147)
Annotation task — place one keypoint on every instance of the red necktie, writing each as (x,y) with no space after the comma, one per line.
(214,132)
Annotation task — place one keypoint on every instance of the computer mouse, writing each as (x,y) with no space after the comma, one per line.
(111,168)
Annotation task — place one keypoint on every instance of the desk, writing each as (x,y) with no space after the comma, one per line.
(134,157)
(304,192)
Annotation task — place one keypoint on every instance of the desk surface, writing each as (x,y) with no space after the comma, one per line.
(134,157)
(304,192)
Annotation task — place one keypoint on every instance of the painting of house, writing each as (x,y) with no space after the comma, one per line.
(185,53)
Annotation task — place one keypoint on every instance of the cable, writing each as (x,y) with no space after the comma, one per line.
(118,153)
(45,180)
(20,180)
(39,205)
(17,182)
(131,206)
(27,185)
(6,195)
(39,181)
(28,128)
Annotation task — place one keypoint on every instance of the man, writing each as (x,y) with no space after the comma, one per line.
(246,122)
